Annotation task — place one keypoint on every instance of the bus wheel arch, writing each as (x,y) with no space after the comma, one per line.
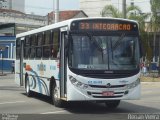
(54,93)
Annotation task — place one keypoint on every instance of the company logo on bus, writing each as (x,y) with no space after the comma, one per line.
(41,68)
(108,85)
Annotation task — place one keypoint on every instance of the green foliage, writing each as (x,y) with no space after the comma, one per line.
(110,11)
(155,18)
(146,40)
(133,13)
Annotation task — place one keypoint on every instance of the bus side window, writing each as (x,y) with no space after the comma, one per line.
(26,47)
(26,52)
(46,52)
(55,44)
(38,52)
(27,41)
(53,53)
(39,39)
(33,40)
(38,48)
(18,48)
(32,53)
(47,37)
(46,45)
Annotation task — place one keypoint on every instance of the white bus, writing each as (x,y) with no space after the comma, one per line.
(85,59)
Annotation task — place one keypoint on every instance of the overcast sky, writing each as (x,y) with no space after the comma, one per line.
(42,7)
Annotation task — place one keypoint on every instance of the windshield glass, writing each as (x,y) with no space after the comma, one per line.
(104,52)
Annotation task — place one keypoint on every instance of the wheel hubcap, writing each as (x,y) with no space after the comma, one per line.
(27,87)
(55,94)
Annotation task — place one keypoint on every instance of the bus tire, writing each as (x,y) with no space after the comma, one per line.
(27,87)
(55,98)
(112,104)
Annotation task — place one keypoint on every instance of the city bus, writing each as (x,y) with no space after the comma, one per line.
(82,59)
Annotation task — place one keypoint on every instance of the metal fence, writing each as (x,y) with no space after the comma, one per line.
(150,76)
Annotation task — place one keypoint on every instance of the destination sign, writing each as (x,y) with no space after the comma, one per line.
(104,25)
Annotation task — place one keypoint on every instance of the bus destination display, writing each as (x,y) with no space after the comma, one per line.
(104,26)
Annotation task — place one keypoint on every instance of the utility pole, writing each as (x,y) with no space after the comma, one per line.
(1,60)
(158,14)
(124,8)
(56,15)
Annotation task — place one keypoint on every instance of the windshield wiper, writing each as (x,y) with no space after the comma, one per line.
(94,41)
(118,42)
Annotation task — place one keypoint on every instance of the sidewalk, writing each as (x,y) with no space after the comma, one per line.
(150,79)
(7,76)
(7,82)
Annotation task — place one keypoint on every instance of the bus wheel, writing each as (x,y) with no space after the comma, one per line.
(27,87)
(112,104)
(56,101)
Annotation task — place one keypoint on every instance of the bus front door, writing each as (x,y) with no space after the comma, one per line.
(21,61)
(63,65)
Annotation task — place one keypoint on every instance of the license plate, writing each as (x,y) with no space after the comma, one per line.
(108,93)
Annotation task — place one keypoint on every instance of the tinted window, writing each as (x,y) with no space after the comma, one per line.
(47,37)
(46,52)
(18,42)
(32,53)
(38,52)
(26,52)
(55,44)
(39,39)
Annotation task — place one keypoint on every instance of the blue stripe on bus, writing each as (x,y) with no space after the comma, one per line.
(41,83)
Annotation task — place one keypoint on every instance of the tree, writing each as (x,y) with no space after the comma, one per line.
(111,11)
(134,13)
(155,22)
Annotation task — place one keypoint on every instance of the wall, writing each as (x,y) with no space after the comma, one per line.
(8,53)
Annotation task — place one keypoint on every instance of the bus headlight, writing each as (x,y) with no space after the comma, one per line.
(77,83)
(133,84)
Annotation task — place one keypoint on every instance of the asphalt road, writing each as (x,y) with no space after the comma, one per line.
(13,101)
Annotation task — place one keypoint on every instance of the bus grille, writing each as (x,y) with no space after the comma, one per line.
(104,86)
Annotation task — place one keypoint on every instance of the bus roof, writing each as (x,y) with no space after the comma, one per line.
(65,23)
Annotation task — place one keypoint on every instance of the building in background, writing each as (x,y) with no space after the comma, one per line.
(24,22)
(13,22)
(65,15)
(7,46)
(93,8)
(18,5)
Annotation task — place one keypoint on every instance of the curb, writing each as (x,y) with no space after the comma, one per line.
(3,74)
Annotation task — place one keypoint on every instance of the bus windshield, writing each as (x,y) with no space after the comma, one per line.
(104,52)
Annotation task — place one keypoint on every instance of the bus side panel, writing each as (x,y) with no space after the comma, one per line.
(39,74)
